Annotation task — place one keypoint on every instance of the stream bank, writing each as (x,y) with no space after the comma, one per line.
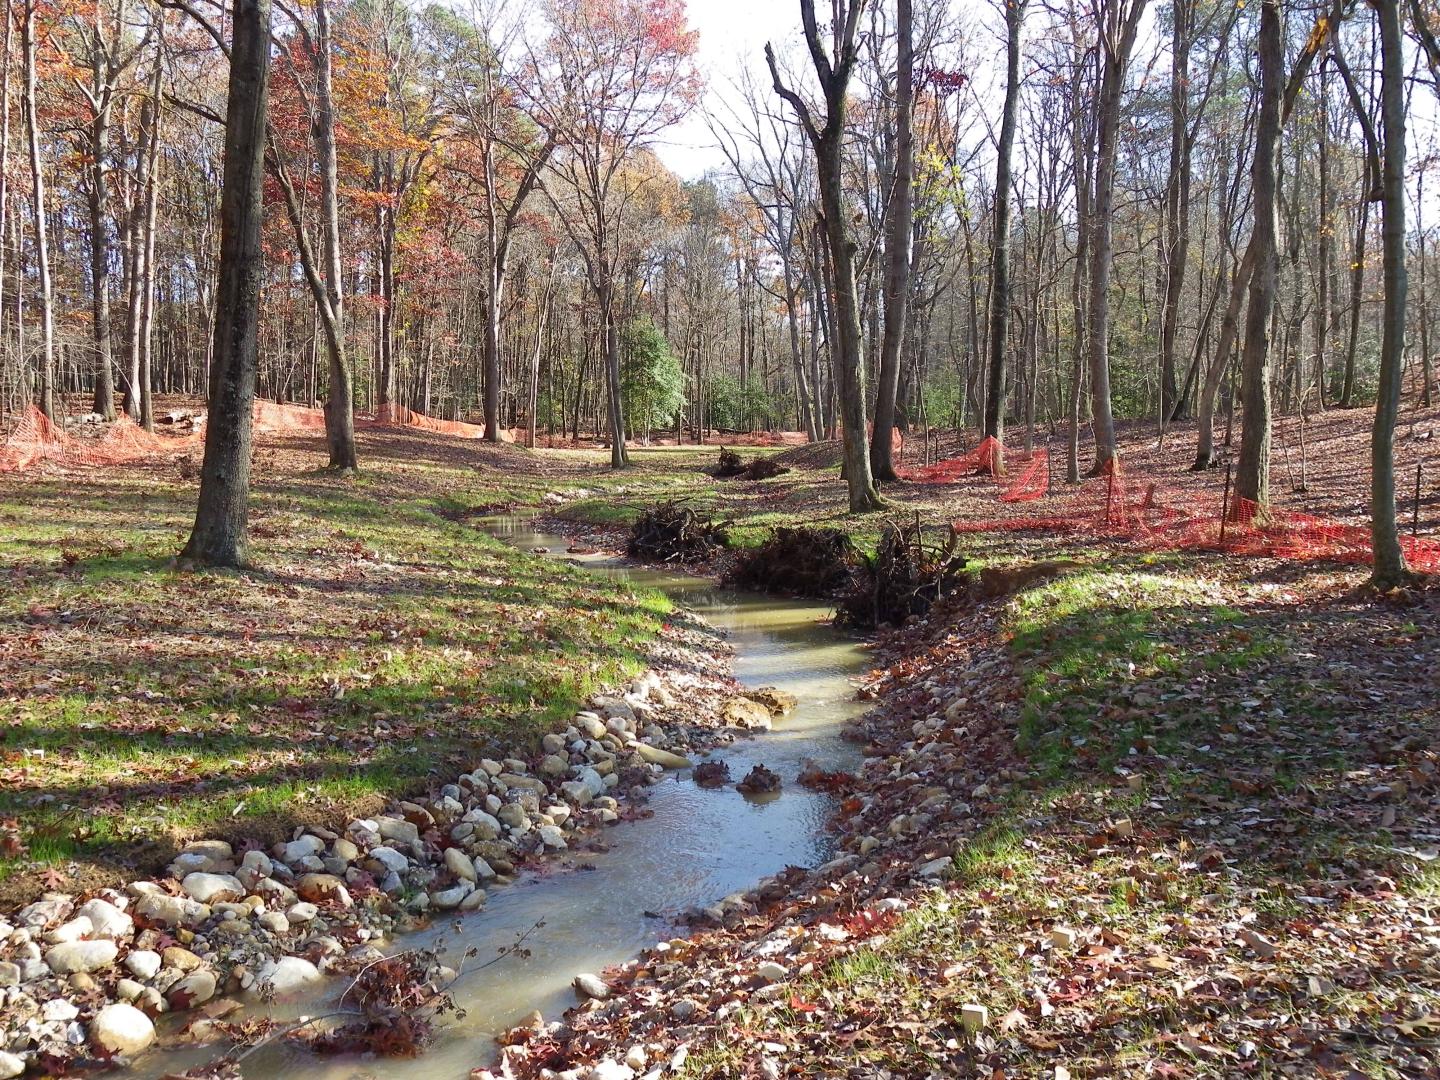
(596,900)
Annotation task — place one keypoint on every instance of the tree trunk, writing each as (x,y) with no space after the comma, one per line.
(220,535)
(150,123)
(1000,243)
(1252,476)
(1177,207)
(898,237)
(46,395)
(104,402)
(339,405)
(1115,60)
(1390,570)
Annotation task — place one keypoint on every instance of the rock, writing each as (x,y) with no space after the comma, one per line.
(711,774)
(344,850)
(576,792)
(217,851)
(491,768)
(81,956)
(460,864)
(142,963)
(44,912)
(1124,828)
(514,816)
(552,837)
(771,972)
(285,977)
(72,930)
(194,989)
(107,919)
(11,1065)
(273,921)
(301,848)
(302,912)
(664,758)
(935,867)
(9,974)
(405,832)
(591,986)
(759,781)
(590,724)
(554,765)
(256,864)
(778,702)
(974,1017)
(609,1069)
(128,989)
(741,712)
(122,1030)
(636,1057)
(58,1011)
(473,901)
(391,860)
(323,888)
(559,813)
(1062,937)
(553,743)
(182,960)
(170,911)
(451,898)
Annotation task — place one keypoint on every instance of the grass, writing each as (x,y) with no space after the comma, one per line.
(377,648)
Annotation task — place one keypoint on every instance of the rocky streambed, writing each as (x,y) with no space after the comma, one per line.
(235,931)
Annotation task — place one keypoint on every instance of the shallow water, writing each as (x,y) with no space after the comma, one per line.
(696,846)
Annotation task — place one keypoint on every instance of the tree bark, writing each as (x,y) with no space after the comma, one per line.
(1118,41)
(1390,570)
(1252,476)
(899,221)
(220,534)
(46,396)
(834,78)
(1000,242)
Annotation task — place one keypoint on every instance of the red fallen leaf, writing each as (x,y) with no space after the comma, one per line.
(799,1004)
(54,879)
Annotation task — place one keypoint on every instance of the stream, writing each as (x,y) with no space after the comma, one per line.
(696,846)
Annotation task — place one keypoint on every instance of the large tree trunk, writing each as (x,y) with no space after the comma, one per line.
(1390,570)
(1000,243)
(898,234)
(46,396)
(1252,476)
(219,537)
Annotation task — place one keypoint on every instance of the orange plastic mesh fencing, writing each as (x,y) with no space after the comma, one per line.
(279,418)
(35,440)
(1028,472)
(391,415)
(1116,506)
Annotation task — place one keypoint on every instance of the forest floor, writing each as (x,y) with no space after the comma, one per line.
(1167,814)
(144,707)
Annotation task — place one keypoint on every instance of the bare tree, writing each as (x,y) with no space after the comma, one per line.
(1390,570)
(28,46)
(899,228)
(1118,21)
(1000,244)
(833,70)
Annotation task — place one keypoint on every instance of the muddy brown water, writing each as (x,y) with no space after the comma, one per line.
(694,848)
